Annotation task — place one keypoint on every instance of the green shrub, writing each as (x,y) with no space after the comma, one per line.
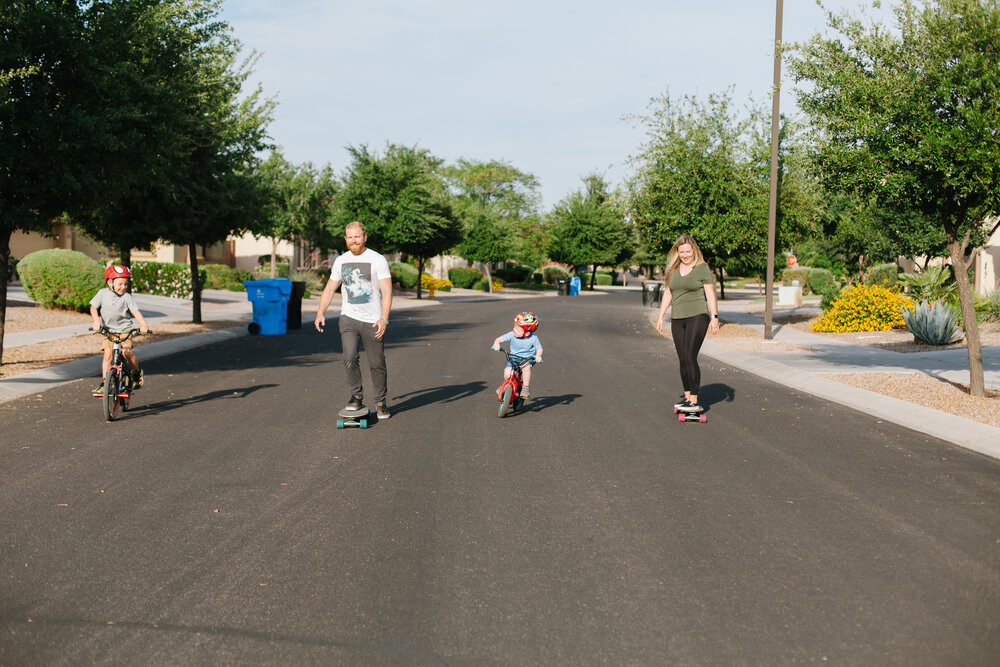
(59,278)
(484,286)
(800,274)
(988,306)
(404,274)
(514,274)
(602,279)
(821,281)
(283,270)
(933,284)
(551,273)
(313,282)
(934,324)
(537,278)
(886,275)
(216,276)
(164,279)
(464,276)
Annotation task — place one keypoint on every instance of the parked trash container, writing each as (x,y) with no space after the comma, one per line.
(574,285)
(651,293)
(269,298)
(562,285)
(293,313)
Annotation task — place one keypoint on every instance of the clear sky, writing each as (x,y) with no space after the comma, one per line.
(540,84)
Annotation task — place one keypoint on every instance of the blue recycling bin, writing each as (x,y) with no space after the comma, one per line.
(270,305)
(574,285)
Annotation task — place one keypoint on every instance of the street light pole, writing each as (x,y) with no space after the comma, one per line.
(772,207)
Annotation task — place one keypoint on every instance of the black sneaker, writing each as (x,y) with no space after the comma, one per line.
(356,403)
(682,403)
(137,378)
(382,410)
(99,390)
(691,407)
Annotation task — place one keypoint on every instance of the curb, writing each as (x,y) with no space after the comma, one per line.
(975,436)
(53,376)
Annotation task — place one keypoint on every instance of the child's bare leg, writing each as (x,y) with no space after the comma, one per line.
(105,364)
(506,376)
(130,357)
(526,374)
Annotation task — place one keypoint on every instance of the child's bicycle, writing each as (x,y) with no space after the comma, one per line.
(510,390)
(117,383)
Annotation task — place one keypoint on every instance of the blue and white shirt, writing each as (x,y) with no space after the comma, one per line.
(523,347)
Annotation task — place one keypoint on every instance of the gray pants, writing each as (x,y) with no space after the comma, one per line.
(352,333)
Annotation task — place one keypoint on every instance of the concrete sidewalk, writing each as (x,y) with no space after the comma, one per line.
(803,371)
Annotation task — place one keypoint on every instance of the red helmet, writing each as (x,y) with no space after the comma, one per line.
(116,271)
(526,321)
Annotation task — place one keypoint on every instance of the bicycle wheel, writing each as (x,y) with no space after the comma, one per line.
(111,395)
(505,400)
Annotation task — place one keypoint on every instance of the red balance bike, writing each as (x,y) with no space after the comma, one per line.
(510,391)
(117,381)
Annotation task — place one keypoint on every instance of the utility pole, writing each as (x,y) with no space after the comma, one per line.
(772,207)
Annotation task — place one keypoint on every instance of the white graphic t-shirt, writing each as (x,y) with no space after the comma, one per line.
(360,274)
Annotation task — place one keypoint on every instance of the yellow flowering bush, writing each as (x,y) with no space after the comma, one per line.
(432,284)
(497,285)
(864,308)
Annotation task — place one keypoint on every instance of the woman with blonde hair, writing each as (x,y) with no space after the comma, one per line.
(689,292)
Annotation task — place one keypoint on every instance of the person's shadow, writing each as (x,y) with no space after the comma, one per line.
(711,394)
(545,402)
(166,406)
(447,393)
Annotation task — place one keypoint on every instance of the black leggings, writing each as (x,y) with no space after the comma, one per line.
(689,334)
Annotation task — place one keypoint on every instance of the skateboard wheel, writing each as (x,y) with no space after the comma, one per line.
(682,418)
(364,423)
(703,418)
(340,423)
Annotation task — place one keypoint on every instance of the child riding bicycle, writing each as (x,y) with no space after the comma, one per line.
(115,309)
(525,344)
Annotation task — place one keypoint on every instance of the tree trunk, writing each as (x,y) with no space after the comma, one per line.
(4,277)
(195,286)
(722,284)
(489,278)
(976,381)
(274,260)
(420,276)
(125,255)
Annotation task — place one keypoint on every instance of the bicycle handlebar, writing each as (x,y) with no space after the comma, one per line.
(128,334)
(522,360)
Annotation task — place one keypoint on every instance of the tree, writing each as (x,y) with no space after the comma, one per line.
(496,203)
(42,123)
(402,201)
(588,228)
(695,175)
(297,203)
(908,118)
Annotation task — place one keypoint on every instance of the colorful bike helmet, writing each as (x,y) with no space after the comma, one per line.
(526,321)
(116,271)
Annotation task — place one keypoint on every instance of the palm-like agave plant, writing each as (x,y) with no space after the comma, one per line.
(934,324)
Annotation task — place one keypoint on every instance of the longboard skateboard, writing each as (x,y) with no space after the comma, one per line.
(353,418)
(687,416)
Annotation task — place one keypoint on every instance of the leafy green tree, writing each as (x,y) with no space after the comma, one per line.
(908,117)
(495,203)
(695,175)
(402,200)
(42,123)
(587,227)
(297,204)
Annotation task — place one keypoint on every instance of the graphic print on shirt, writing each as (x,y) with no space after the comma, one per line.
(357,280)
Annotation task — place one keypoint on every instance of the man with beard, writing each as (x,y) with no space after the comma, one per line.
(364,315)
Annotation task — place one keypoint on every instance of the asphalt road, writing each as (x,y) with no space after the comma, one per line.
(225,520)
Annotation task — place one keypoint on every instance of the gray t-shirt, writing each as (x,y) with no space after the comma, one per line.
(116,311)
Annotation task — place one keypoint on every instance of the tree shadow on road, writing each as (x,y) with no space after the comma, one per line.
(447,393)
(166,406)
